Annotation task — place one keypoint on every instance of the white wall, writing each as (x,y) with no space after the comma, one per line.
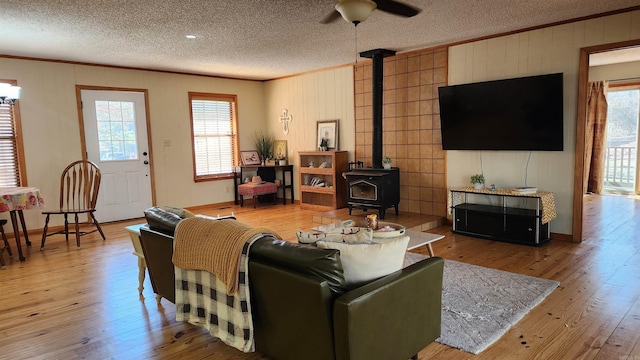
(322,95)
(548,50)
(52,136)
(627,70)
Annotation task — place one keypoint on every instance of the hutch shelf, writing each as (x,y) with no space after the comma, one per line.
(322,186)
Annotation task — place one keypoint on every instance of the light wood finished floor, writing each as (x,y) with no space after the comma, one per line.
(64,303)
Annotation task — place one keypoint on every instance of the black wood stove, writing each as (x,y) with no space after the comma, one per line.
(375,187)
(371,188)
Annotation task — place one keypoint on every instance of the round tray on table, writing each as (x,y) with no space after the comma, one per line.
(398,230)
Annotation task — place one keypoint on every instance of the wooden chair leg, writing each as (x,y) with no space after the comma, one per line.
(2,264)
(44,232)
(3,246)
(66,228)
(255,201)
(97,225)
(6,242)
(77,231)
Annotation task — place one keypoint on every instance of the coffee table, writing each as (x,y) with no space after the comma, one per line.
(419,238)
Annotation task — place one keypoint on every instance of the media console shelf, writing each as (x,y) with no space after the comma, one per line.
(502,214)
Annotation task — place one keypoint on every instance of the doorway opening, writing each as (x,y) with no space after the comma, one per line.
(621,149)
(579,188)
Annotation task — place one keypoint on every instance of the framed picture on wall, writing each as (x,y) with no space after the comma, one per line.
(250,157)
(327,129)
(280,149)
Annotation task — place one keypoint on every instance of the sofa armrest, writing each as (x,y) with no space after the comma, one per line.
(291,312)
(393,317)
(158,251)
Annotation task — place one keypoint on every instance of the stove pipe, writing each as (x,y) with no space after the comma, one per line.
(377,56)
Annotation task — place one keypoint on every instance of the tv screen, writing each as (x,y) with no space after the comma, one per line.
(514,114)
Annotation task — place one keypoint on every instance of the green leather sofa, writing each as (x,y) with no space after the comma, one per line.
(302,310)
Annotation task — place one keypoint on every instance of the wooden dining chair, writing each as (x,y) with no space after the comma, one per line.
(4,245)
(79,185)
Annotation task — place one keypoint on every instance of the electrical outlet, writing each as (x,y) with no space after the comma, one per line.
(167,142)
(226,189)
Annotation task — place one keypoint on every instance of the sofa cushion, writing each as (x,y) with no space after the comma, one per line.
(161,220)
(306,259)
(183,213)
(364,262)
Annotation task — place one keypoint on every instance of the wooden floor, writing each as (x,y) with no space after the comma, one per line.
(64,303)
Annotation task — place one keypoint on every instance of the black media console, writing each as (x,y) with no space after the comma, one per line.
(503,215)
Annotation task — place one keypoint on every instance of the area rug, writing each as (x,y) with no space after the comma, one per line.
(480,304)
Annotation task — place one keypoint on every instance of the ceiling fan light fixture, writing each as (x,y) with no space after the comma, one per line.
(355,11)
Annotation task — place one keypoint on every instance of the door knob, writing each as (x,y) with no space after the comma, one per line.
(146,162)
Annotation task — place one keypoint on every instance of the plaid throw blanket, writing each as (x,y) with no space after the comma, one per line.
(214,246)
(202,299)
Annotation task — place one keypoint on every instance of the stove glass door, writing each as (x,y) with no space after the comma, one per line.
(363,190)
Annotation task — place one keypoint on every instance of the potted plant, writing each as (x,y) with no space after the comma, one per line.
(282,160)
(386,162)
(478,181)
(263,144)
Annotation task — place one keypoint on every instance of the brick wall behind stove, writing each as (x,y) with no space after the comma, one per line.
(411,125)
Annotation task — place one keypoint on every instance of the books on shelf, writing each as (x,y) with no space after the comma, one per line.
(525,190)
(316,181)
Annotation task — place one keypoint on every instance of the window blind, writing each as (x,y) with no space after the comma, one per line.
(9,165)
(213,123)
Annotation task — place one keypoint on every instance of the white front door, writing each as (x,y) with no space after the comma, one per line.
(115,130)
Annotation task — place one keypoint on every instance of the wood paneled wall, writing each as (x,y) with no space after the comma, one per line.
(308,98)
(411,125)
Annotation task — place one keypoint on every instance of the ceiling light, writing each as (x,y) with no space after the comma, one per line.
(355,11)
(9,93)
(190,36)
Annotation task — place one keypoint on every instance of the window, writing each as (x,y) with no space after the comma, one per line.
(116,130)
(11,166)
(213,127)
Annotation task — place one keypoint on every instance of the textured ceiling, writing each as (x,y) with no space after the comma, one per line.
(255,39)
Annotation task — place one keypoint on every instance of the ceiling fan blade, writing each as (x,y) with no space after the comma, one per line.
(397,8)
(333,16)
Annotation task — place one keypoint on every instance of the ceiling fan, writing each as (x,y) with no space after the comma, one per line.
(357,11)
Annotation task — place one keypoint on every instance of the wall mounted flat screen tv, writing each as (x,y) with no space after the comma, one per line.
(513,114)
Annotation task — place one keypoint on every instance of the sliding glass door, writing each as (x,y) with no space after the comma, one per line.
(621,164)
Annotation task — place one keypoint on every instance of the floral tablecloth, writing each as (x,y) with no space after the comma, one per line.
(20,198)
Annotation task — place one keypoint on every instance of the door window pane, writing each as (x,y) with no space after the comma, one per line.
(116,130)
